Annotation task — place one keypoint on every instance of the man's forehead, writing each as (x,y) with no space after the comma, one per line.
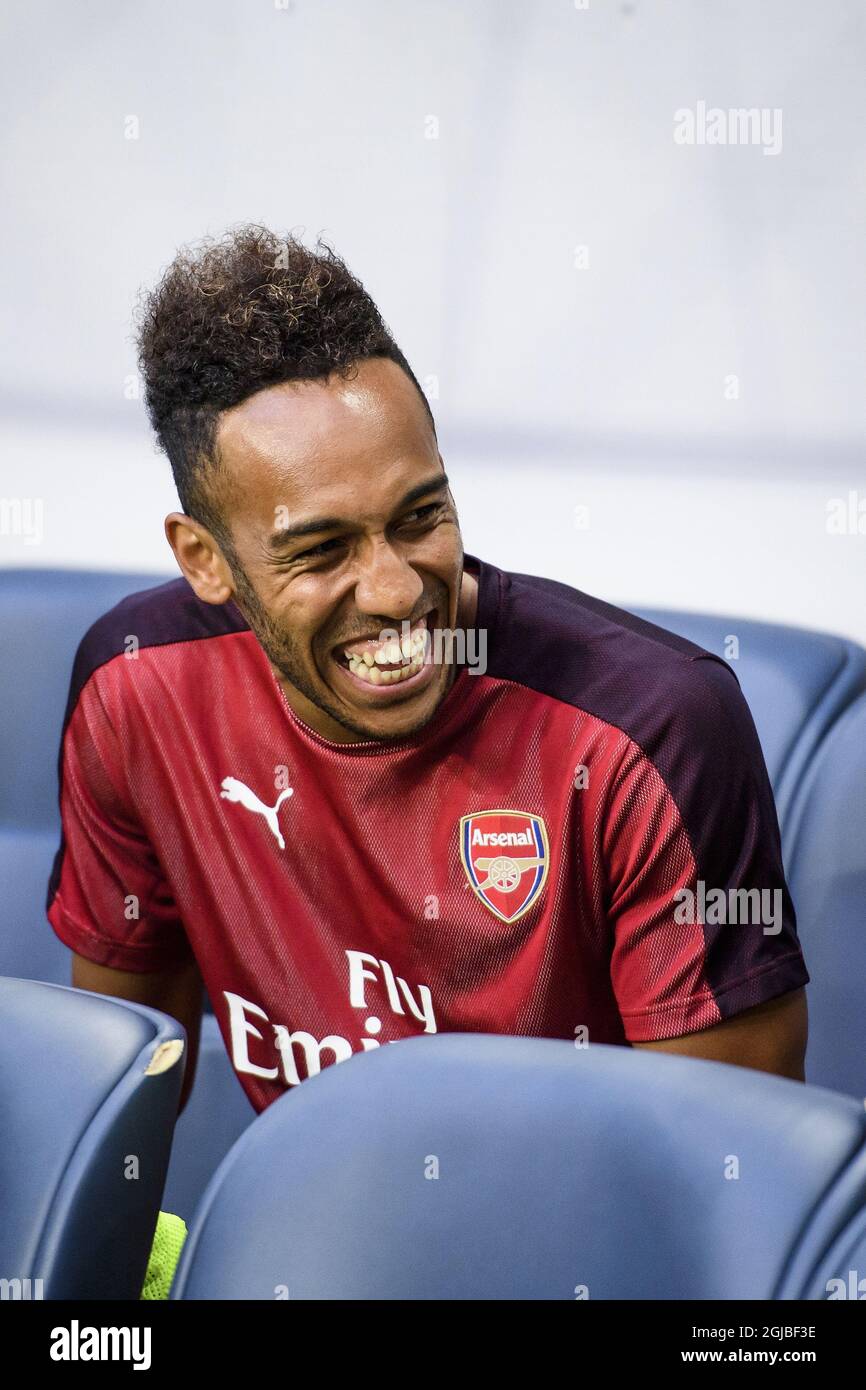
(299,418)
(307,442)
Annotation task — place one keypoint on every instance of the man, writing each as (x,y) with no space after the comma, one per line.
(363,786)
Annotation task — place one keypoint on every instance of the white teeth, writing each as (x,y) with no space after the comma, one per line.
(374,675)
(407,656)
(391,653)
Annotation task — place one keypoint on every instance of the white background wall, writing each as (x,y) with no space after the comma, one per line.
(555,386)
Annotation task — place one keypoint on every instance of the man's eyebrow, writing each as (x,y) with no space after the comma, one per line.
(335,523)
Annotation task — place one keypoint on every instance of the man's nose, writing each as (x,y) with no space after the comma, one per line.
(387,586)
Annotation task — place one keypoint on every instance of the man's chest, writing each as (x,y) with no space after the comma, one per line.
(481,846)
(339,904)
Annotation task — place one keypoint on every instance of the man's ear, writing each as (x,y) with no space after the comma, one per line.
(200,558)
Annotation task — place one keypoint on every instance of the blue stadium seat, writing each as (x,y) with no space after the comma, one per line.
(215,1115)
(466,1166)
(43,616)
(828,884)
(805,691)
(79,1108)
(840,1273)
(796,683)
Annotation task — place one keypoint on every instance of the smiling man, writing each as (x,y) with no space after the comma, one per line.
(282,778)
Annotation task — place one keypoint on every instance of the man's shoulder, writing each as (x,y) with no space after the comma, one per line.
(657,687)
(540,610)
(161,616)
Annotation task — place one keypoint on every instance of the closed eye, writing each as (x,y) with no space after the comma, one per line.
(420,514)
(417,517)
(317,551)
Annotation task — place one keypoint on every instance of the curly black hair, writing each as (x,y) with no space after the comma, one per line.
(232,315)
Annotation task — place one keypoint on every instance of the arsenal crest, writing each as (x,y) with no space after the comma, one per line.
(506,858)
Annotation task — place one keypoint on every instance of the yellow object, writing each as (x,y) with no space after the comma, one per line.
(168,1240)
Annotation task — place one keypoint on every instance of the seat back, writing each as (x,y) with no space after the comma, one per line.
(828,885)
(89,1089)
(216,1114)
(43,616)
(465,1166)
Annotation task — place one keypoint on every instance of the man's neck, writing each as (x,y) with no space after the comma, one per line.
(467,606)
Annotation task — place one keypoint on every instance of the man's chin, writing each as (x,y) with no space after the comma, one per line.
(385,712)
(398,715)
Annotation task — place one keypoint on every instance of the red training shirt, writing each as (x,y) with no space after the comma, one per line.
(340,896)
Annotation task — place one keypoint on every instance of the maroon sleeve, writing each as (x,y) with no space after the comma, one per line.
(702,919)
(108,898)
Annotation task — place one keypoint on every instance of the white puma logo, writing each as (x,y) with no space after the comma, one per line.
(233,790)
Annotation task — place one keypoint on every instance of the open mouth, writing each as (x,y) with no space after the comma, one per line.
(378,667)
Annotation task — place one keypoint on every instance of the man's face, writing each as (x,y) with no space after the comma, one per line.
(344,529)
